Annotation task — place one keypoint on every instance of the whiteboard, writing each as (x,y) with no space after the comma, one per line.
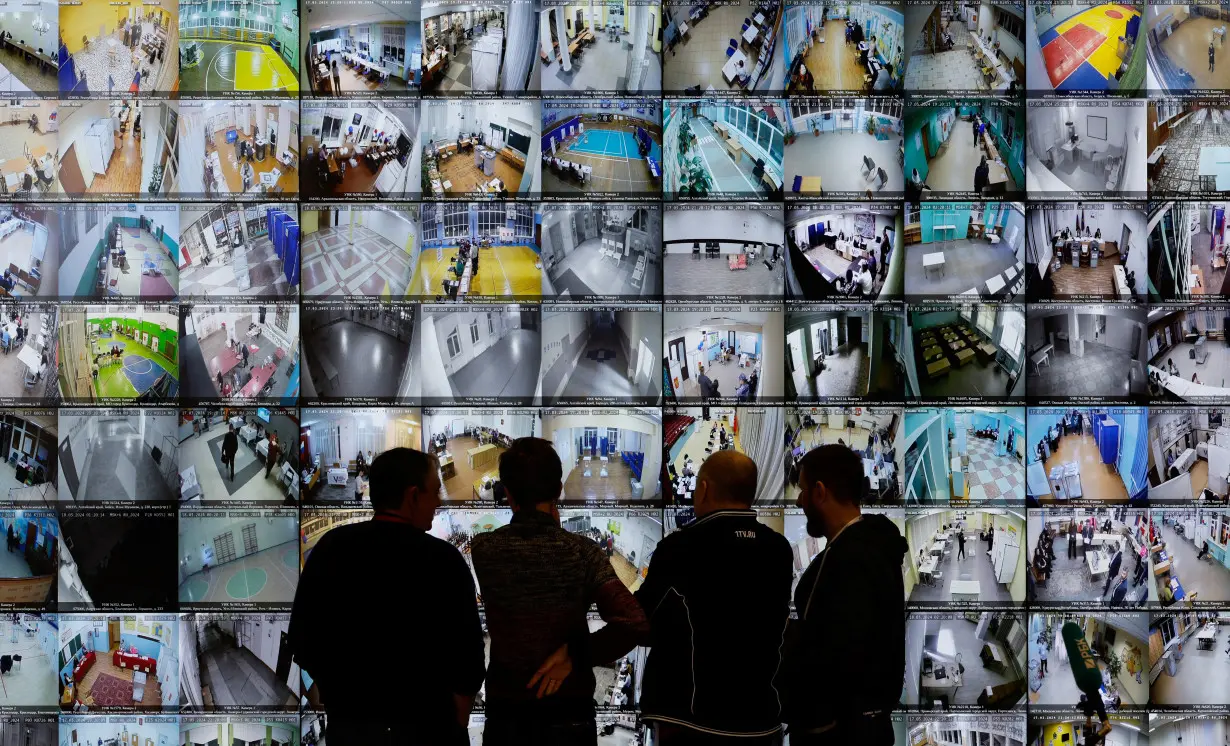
(749,342)
(1219,460)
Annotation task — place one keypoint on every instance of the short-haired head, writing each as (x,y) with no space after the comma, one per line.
(531,472)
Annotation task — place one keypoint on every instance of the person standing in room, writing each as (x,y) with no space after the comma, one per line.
(851,612)
(244,349)
(724,571)
(230,446)
(1211,56)
(1120,591)
(705,383)
(438,627)
(1042,654)
(271,457)
(207,558)
(539,581)
(982,175)
(1112,572)
(337,79)
(960,543)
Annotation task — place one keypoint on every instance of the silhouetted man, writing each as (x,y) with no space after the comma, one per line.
(538,582)
(230,446)
(718,596)
(421,591)
(851,612)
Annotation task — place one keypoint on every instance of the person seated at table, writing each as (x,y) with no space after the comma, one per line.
(1171,368)
(1196,380)
(884,78)
(865,281)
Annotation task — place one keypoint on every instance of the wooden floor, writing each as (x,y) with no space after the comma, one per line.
(465,176)
(289,180)
(124,170)
(103,665)
(1099,481)
(1099,280)
(461,487)
(1188,48)
(834,64)
(617,485)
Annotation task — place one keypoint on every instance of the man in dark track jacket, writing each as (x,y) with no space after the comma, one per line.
(718,597)
(421,591)
(538,581)
(844,661)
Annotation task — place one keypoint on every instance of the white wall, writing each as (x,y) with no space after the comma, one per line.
(155,424)
(461,320)
(270,532)
(1010,45)
(1189,732)
(727,225)
(557,326)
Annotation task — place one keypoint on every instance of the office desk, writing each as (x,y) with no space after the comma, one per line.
(749,36)
(224,362)
(482,455)
(965,590)
(735,65)
(1042,355)
(260,376)
(937,548)
(135,662)
(942,681)
(1207,636)
(249,433)
(810,185)
(735,149)
(1185,461)
(934,259)
(1099,563)
(995,284)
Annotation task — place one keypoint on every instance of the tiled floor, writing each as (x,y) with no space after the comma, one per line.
(371,265)
(1070,579)
(236,677)
(1180,173)
(991,476)
(349,358)
(600,370)
(968,263)
(954,70)
(846,373)
(837,158)
(602,66)
(462,75)
(1099,481)
(689,276)
(699,59)
(1101,371)
(250,485)
(108,66)
(727,174)
(255,270)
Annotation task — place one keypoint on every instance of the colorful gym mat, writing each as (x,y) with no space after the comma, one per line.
(1083,52)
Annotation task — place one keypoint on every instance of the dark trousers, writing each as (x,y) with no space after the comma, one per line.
(269,462)
(231,464)
(960,550)
(1042,667)
(505,731)
(666,734)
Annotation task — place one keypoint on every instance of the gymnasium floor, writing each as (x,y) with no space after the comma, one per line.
(231,66)
(134,374)
(1083,51)
(270,576)
(503,271)
(615,158)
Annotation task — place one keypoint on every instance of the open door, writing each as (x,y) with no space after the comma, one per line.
(678,352)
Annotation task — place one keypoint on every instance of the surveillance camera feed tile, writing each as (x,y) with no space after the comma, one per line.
(110,252)
(723,47)
(1189,557)
(468,443)
(1180,39)
(108,49)
(975,659)
(238,148)
(31,684)
(29,475)
(480,148)
(478,251)
(360,250)
(1119,642)
(745,239)
(479,48)
(26,233)
(117,663)
(714,353)
(839,352)
(103,550)
(965,558)
(354,351)
(29,330)
(360,49)
(263,468)
(28,569)
(118,149)
(1189,456)
(958,351)
(608,47)
(1185,361)
(230,250)
(963,149)
(118,353)
(1064,724)
(233,559)
(1087,250)
(1088,351)
(237,662)
(1086,48)
(871,432)
(1087,455)
(870,59)
(977,48)
(843,249)
(692,434)
(1090,557)
(1187,251)
(595,354)
(982,243)
(336,446)
(40,729)
(359,149)
(260,726)
(28,161)
(593,251)
(240,352)
(225,53)
(607,147)
(118,455)
(1169,728)
(147,729)
(724,148)
(1187,652)
(480,353)
(29,64)
(844,148)
(1093,148)
(964,456)
(1188,142)
(628,537)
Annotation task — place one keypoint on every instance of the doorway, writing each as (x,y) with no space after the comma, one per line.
(284,657)
(113,634)
(854,331)
(797,359)
(677,349)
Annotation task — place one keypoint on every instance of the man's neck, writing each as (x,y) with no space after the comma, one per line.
(845,518)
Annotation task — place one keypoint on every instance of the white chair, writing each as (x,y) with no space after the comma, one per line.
(138,686)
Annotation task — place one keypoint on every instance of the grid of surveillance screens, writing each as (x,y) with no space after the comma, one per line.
(644,230)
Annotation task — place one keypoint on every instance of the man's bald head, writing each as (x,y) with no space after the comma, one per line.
(729,481)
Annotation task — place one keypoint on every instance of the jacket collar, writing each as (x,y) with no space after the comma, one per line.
(749,513)
(533,517)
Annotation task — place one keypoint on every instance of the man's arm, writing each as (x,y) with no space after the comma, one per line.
(626,623)
(659,579)
(304,632)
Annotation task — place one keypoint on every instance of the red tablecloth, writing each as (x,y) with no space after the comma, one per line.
(260,375)
(224,362)
(135,662)
(83,668)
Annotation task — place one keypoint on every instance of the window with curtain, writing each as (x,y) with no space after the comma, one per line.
(986,319)
(1012,339)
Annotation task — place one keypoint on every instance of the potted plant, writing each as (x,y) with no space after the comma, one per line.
(155,179)
(1114,664)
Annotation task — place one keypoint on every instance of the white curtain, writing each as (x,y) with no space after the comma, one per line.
(760,433)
